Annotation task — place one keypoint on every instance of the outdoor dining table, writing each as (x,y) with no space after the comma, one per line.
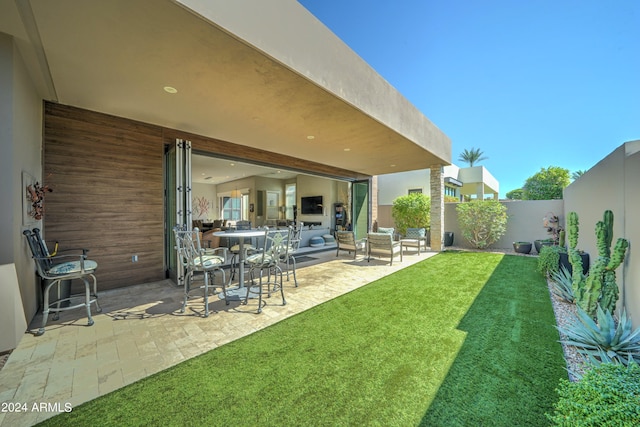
(254,232)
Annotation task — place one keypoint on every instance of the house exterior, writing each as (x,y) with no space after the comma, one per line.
(96,96)
(462,183)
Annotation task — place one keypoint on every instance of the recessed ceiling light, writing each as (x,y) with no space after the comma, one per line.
(347,149)
(232,164)
(170,89)
(393,166)
(310,137)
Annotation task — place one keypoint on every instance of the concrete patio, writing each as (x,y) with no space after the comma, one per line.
(141,331)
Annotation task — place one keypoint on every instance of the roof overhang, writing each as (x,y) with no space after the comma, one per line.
(266,75)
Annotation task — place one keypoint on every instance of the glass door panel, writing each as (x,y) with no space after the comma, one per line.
(361,212)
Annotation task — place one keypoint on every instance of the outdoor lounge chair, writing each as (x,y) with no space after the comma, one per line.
(382,244)
(197,261)
(415,238)
(54,270)
(346,241)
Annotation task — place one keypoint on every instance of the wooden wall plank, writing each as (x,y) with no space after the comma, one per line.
(108,192)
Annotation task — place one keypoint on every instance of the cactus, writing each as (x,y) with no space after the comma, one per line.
(600,286)
(574,256)
(562,238)
(609,286)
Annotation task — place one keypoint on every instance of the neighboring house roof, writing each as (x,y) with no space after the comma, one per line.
(467,180)
(471,178)
(261,74)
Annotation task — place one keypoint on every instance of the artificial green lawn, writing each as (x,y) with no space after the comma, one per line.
(460,339)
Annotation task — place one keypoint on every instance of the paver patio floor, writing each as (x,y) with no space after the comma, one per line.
(141,331)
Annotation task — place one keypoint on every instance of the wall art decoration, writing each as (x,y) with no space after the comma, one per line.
(201,207)
(33,200)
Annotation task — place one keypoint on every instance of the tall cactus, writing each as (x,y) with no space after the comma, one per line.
(574,256)
(609,286)
(600,286)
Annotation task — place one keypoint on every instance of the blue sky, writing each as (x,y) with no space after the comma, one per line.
(532,83)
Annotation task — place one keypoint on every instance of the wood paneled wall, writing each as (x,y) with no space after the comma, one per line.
(108,195)
(107,175)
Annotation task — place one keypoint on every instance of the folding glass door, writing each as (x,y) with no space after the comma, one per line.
(177,200)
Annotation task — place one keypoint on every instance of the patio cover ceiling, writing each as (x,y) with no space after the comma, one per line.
(262,74)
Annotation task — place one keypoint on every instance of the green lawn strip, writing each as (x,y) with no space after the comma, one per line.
(423,344)
(509,366)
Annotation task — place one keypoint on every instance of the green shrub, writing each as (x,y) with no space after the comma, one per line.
(549,259)
(607,395)
(411,211)
(482,222)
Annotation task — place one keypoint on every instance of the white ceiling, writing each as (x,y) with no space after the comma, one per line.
(211,170)
(117,56)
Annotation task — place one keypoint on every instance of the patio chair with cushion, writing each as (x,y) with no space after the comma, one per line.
(199,262)
(382,244)
(415,238)
(267,261)
(56,269)
(346,241)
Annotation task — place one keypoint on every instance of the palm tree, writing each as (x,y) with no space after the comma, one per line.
(472,156)
(577,174)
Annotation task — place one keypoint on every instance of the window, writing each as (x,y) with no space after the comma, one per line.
(449,191)
(290,200)
(231,208)
(415,191)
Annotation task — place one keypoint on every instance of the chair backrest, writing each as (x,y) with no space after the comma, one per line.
(276,245)
(415,233)
(188,246)
(294,238)
(379,240)
(243,225)
(39,250)
(346,237)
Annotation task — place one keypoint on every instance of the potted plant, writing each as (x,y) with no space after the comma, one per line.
(522,247)
(448,238)
(551,223)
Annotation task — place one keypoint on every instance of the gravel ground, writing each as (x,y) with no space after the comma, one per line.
(564,312)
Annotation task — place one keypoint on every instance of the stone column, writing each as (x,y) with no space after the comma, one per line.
(437,208)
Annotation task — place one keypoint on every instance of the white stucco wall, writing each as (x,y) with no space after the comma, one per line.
(612,184)
(21,144)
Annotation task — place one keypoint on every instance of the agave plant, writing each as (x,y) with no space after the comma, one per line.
(607,337)
(562,284)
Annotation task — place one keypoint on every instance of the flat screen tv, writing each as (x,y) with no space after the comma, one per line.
(311,205)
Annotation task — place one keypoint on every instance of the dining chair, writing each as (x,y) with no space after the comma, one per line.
(289,259)
(197,262)
(56,269)
(268,260)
